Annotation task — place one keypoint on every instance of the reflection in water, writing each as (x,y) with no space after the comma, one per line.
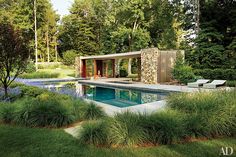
(113,96)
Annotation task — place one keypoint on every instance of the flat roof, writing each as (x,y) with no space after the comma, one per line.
(114,56)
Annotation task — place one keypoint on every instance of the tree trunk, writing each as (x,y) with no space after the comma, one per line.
(56,48)
(36,35)
(5,91)
(130,66)
(48,51)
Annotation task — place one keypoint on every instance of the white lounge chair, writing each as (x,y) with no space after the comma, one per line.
(214,84)
(198,83)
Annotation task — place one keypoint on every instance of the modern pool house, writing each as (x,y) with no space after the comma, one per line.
(100,80)
(154,65)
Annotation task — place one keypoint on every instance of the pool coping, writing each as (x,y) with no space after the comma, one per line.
(142,87)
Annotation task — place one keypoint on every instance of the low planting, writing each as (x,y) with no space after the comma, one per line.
(124,130)
(188,116)
(94,132)
(36,107)
(44,113)
(7,112)
(132,129)
(231,83)
(39,74)
(165,127)
(91,112)
(208,114)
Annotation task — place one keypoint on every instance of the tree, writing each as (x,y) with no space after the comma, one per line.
(14,54)
(111,26)
(209,51)
(78,29)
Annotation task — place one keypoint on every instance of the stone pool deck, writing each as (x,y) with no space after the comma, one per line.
(120,83)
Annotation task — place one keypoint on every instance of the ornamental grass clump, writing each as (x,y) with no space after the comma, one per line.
(7,112)
(124,130)
(44,113)
(209,114)
(94,132)
(164,127)
(92,111)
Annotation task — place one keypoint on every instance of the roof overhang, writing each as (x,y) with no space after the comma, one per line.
(114,56)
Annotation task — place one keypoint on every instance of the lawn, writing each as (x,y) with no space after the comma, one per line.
(34,142)
(59,71)
(63,72)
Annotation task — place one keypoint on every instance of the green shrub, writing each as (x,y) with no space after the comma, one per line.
(92,111)
(7,112)
(30,67)
(16,84)
(182,72)
(31,91)
(223,74)
(44,113)
(123,73)
(69,57)
(124,130)
(38,74)
(94,132)
(231,83)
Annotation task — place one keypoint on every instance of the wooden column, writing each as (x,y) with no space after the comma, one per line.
(83,65)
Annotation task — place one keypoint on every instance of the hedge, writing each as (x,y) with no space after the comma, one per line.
(223,74)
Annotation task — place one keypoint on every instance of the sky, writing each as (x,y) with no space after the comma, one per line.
(62,6)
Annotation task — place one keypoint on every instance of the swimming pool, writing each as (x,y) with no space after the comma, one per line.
(113,96)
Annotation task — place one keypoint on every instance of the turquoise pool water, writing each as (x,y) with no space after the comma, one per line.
(112,96)
(121,97)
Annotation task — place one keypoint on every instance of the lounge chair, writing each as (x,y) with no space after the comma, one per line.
(198,83)
(214,84)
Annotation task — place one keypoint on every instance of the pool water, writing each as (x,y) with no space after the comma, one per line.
(121,97)
(112,96)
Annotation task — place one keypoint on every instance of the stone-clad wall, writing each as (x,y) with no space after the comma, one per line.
(157,65)
(149,65)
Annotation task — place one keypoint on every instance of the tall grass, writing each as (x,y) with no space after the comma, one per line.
(91,111)
(35,75)
(165,127)
(209,114)
(7,112)
(124,130)
(189,115)
(94,132)
(43,113)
